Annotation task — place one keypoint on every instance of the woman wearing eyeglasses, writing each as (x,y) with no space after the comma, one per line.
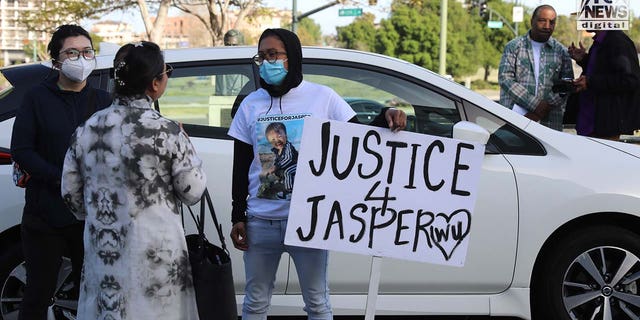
(49,114)
(260,211)
(125,173)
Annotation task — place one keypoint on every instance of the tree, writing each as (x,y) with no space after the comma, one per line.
(154,27)
(214,14)
(360,34)
(309,32)
(412,33)
(566,31)
(495,39)
(35,48)
(467,44)
(55,13)
(634,32)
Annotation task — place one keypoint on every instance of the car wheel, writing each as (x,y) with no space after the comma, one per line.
(590,274)
(13,279)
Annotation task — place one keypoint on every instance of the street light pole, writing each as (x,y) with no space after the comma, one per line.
(443,38)
(516,23)
(505,21)
(295,18)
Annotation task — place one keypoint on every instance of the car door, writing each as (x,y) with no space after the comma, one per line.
(493,237)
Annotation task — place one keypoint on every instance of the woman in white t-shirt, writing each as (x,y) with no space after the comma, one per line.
(260,211)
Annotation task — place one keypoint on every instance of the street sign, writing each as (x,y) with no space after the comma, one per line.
(518,14)
(351,12)
(494,24)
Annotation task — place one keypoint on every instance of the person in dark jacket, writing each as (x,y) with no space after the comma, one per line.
(609,87)
(44,123)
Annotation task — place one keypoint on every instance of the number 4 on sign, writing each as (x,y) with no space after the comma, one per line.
(374,283)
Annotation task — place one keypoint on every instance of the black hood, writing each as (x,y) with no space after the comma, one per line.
(294,59)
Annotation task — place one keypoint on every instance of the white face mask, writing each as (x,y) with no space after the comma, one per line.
(78,70)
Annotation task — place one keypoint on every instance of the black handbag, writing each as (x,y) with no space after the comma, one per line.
(211,269)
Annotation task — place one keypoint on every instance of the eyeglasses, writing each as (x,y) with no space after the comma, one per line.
(74,54)
(168,71)
(271,56)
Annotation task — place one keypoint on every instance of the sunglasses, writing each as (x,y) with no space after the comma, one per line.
(168,70)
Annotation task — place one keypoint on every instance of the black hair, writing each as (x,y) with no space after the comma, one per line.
(62,33)
(294,61)
(536,11)
(135,67)
(276,126)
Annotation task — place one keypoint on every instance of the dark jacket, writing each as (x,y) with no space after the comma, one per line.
(615,84)
(43,126)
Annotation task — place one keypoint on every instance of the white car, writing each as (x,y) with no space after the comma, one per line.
(556,233)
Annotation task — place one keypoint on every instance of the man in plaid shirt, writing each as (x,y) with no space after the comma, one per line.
(530,66)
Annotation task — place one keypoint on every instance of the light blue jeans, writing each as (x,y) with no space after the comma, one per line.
(266,245)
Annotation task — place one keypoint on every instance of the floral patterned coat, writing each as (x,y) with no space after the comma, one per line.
(124,172)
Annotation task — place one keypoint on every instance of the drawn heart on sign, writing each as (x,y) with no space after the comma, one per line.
(448,231)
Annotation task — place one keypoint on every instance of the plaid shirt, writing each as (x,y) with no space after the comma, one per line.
(517,78)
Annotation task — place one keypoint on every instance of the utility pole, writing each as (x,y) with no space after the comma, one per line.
(295,18)
(515,23)
(443,38)
(505,21)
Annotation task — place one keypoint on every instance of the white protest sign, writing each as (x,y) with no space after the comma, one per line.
(367,190)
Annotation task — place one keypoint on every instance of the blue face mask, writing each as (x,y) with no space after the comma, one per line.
(273,73)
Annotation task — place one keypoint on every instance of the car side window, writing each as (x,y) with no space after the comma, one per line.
(206,95)
(369,91)
(505,138)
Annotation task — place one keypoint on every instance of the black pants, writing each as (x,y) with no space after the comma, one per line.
(43,248)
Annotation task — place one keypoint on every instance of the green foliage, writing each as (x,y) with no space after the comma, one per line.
(484,85)
(36,49)
(360,34)
(634,32)
(309,32)
(412,33)
(55,13)
(566,32)
(493,40)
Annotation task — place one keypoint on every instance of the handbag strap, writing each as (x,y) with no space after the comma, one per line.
(215,219)
(205,202)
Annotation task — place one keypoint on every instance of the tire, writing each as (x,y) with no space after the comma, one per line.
(12,281)
(593,273)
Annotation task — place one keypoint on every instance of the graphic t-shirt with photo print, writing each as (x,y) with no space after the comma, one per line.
(278,138)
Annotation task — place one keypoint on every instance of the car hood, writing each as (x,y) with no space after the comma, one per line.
(628,148)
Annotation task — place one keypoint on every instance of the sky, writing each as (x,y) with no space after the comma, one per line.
(329,18)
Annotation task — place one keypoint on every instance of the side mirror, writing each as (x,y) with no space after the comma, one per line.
(469,131)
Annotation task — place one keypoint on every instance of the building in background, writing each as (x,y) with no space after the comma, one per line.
(14,37)
(179,31)
(115,31)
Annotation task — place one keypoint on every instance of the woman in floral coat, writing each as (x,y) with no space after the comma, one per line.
(125,172)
